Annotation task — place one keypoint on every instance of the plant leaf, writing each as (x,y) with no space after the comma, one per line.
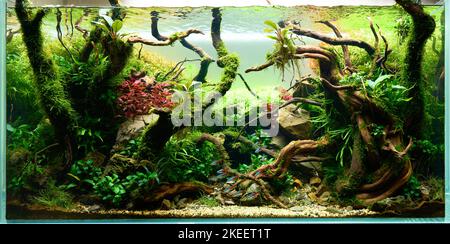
(101,25)
(381,79)
(108,20)
(117,25)
(271,24)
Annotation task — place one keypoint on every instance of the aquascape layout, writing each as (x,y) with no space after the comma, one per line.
(256,111)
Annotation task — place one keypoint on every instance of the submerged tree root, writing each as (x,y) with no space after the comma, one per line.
(288,155)
(371,198)
(170,190)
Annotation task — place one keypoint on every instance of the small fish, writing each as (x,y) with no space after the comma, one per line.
(236,194)
(231,180)
(227,189)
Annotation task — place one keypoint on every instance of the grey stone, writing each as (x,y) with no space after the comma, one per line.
(132,128)
(252,195)
(296,123)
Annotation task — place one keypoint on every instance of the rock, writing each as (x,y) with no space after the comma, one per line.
(312,196)
(298,183)
(245,184)
(313,166)
(284,199)
(349,208)
(93,208)
(120,164)
(182,203)
(315,181)
(235,194)
(229,202)
(295,123)
(425,191)
(133,128)
(301,196)
(325,197)
(279,141)
(129,205)
(252,195)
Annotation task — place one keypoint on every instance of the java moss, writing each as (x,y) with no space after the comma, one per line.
(51,92)
(155,137)
(423,27)
(230,63)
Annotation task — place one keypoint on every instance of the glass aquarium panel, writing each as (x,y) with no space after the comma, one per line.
(272,109)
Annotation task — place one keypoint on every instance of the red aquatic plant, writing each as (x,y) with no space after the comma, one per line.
(284,94)
(160,95)
(137,97)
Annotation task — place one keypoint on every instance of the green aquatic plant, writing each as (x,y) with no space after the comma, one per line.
(183,160)
(110,26)
(257,160)
(54,197)
(113,189)
(412,189)
(402,28)
(345,136)
(131,148)
(437,188)
(284,48)
(260,138)
(24,180)
(27,159)
(88,139)
(85,169)
(208,201)
(110,188)
(22,136)
(20,90)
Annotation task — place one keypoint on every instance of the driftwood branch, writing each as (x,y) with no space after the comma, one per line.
(345,50)
(10,34)
(334,41)
(377,46)
(382,60)
(172,39)
(300,100)
(336,88)
(78,27)
(205,58)
(260,67)
(59,33)
(247,86)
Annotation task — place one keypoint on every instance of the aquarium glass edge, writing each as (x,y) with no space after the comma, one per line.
(447,112)
(3,111)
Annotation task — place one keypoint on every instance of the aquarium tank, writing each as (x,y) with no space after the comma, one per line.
(137,109)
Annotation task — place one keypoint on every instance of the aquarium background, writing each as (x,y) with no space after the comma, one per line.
(242,30)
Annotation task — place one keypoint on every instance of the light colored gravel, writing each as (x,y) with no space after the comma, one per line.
(192,211)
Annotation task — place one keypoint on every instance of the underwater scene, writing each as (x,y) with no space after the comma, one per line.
(225,112)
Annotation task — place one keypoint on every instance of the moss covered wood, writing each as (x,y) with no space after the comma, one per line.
(228,61)
(423,27)
(52,96)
